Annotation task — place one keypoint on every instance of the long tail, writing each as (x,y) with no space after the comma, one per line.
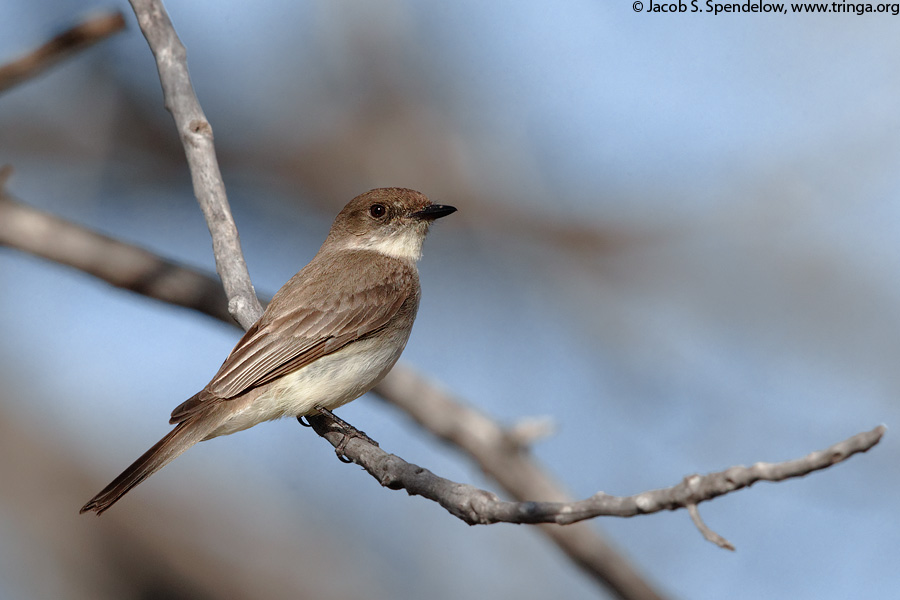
(185,435)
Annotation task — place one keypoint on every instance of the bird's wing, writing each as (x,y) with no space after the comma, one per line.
(310,318)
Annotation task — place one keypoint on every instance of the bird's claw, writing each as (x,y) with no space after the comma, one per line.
(346,429)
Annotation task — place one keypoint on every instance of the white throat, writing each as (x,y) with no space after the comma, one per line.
(405,244)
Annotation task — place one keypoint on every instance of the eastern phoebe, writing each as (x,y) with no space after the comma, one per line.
(327,337)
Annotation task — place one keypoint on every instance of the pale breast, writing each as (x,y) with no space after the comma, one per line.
(330,381)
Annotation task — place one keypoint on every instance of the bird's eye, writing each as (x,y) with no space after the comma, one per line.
(377,211)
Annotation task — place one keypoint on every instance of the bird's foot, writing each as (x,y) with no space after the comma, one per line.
(338,424)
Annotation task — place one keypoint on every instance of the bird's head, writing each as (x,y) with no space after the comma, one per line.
(392,221)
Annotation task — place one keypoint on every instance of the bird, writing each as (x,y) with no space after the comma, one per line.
(329,335)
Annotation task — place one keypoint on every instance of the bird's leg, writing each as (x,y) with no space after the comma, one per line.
(349,431)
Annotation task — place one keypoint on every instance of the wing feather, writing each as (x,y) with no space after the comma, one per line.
(319,311)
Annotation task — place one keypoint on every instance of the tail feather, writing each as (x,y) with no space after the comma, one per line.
(185,435)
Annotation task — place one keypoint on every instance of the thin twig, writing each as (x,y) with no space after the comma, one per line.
(197,138)
(81,36)
(708,534)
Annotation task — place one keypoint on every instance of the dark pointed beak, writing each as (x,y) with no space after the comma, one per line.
(434,211)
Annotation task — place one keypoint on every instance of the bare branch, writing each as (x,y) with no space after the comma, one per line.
(67,43)
(480,507)
(197,138)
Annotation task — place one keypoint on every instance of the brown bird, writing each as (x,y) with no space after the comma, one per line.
(327,337)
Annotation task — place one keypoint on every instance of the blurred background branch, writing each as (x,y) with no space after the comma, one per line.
(81,36)
(117,263)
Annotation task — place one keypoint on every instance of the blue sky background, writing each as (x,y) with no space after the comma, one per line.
(677,237)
